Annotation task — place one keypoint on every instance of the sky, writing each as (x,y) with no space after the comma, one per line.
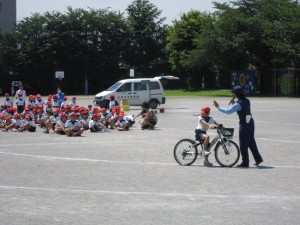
(171,9)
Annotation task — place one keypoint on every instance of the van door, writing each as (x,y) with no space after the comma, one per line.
(140,93)
(125,92)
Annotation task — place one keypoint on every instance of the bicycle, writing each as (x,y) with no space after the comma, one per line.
(227,152)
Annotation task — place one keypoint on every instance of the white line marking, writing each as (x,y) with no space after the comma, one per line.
(87,160)
(192,195)
(276,140)
(114,161)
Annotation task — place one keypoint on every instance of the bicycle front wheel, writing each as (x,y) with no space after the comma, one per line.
(227,153)
(185,152)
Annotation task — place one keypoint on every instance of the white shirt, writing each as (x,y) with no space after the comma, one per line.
(8,102)
(55,118)
(23,94)
(18,122)
(31,123)
(74,125)
(92,123)
(203,127)
(39,102)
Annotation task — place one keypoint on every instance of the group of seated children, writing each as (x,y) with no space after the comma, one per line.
(70,119)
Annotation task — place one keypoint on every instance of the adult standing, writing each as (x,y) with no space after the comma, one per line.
(60,96)
(246,126)
(22,91)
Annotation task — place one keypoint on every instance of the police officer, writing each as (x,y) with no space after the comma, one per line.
(246,129)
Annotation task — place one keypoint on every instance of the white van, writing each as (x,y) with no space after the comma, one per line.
(135,91)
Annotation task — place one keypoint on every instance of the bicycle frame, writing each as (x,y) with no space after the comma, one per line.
(217,138)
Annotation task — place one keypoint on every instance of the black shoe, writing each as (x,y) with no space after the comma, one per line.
(258,162)
(243,165)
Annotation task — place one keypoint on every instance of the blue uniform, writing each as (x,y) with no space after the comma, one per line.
(246,129)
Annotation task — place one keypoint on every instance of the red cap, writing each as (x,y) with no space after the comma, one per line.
(49,103)
(94,115)
(118,107)
(30,96)
(27,116)
(65,98)
(74,97)
(20,94)
(90,105)
(49,96)
(7,118)
(54,96)
(11,110)
(72,114)
(38,95)
(205,109)
(111,96)
(63,115)
(16,115)
(121,114)
(95,109)
(103,109)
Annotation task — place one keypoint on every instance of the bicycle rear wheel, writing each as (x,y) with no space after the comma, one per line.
(227,153)
(185,152)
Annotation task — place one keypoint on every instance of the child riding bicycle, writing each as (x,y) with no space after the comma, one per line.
(205,122)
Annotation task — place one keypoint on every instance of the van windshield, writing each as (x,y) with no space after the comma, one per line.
(115,86)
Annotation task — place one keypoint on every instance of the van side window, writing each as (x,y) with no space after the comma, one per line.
(140,87)
(125,87)
(154,86)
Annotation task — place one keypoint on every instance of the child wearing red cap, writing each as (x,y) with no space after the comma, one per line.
(73,102)
(205,121)
(60,126)
(85,119)
(31,100)
(56,102)
(73,126)
(63,102)
(39,101)
(121,123)
(112,102)
(20,102)
(7,122)
(29,125)
(94,125)
(54,119)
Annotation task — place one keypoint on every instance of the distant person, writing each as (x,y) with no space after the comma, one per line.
(246,130)
(7,101)
(22,91)
(60,96)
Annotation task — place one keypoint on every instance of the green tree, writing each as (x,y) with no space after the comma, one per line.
(85,44)
(264,34)
(180,46)
(147,38)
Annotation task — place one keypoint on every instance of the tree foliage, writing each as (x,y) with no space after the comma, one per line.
(100,45)
(147,37)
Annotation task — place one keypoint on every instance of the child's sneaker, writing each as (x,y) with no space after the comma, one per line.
(205,152)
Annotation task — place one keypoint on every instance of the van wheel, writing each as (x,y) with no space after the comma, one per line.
(153,103)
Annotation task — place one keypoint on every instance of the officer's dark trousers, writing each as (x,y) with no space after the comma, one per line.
(247,140)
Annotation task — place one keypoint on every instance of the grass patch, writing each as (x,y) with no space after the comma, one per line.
(222,92)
